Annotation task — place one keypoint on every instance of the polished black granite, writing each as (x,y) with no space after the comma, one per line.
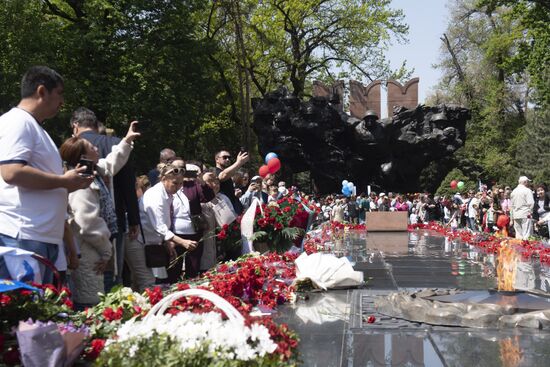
(333,326)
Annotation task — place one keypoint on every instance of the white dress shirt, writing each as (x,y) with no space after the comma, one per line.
(182,214)
(154,209)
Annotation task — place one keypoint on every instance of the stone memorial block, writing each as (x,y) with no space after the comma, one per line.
(387,221)
(363,98)
(402,95)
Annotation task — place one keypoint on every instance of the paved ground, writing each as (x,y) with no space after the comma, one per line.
(333,326)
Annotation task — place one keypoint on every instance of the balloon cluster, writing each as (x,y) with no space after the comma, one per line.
(457,184)
(272,165)
(348,188)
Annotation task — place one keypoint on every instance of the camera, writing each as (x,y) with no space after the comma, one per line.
(89,166)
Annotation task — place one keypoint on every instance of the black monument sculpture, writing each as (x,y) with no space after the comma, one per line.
(388,153)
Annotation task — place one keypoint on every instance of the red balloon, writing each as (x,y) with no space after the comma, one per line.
(454,184)
(274,165)
(263,171)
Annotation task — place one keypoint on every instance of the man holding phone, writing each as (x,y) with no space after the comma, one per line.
(33,187)
(254,191)
(225,171)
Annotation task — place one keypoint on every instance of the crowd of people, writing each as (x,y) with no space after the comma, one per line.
(522,212)
(82,208)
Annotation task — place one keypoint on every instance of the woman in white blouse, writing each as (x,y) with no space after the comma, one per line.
(156,214)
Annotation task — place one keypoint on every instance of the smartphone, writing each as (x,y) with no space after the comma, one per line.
(243,150)
(89,166)
(142,125)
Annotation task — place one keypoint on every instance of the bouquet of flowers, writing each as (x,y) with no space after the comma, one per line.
(114,308)
(192,339)
(279,224)
(50,344)
(44,303)
(229,240)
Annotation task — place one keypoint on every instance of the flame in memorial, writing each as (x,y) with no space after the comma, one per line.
(507,266)
(511,354)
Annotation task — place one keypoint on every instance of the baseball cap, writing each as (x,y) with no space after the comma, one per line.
(382,194)
(192,167)
(256,178)
(523,179)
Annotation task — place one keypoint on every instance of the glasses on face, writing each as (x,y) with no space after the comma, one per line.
(225,157)
(175,171)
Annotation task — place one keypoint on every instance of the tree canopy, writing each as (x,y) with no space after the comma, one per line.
(488,54)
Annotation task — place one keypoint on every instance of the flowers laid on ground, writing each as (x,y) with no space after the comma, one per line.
(65,342)
(229,240)
(189,338)
(252,281)
(114,308)
(487,242)
(45,304)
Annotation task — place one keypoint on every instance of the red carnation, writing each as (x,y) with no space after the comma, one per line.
(96,346)
(222,235)
(4,300)
(111,315)
(67,302)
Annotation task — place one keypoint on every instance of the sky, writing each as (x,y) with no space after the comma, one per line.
(427,20)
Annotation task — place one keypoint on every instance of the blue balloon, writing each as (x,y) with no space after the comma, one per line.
(345,183)
(351,185)
(344,190)
(270,156)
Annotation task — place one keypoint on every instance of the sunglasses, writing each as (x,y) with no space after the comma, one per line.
(225,157)
(176,171)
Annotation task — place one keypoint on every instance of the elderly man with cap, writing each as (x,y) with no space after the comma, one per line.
(522,202)
(254,191)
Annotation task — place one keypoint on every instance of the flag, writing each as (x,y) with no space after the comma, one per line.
(21,265)
(247,227)
(7,285)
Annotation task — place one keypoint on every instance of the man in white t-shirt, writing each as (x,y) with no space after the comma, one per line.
(33,186)
(522,201)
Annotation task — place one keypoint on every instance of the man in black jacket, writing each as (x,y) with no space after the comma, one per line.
(85,125)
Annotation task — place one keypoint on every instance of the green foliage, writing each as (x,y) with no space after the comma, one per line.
(488,67)
(534,149)
(289,42)
(126,60)
(279,240)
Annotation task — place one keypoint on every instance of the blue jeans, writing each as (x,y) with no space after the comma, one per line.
(47,250)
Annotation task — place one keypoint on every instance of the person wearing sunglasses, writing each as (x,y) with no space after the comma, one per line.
(189,221)
(156,214)
(225,170)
